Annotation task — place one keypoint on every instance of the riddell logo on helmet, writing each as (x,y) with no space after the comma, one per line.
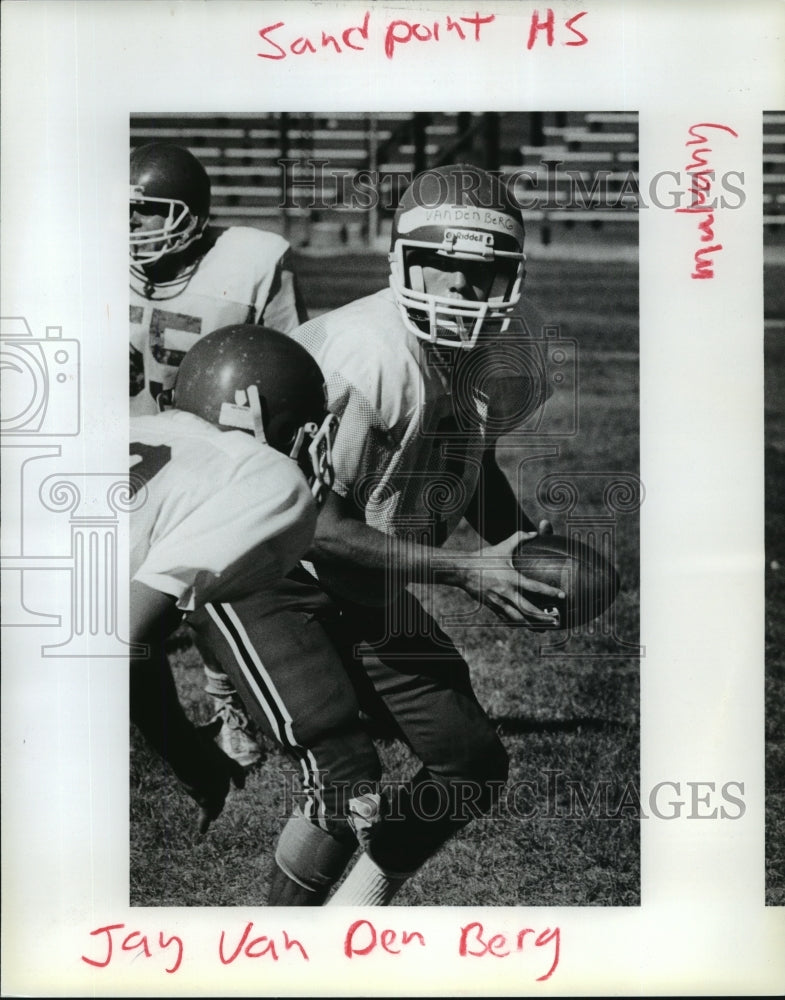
(457,236)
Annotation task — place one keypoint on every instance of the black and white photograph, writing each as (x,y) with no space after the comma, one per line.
(391,429)
(449,681)
(774,434)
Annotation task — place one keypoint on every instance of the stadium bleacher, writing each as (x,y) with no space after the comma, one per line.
(297,172)
(773,176)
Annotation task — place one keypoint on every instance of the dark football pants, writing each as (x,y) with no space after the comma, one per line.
(295,657)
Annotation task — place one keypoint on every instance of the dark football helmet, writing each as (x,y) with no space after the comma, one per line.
(258,380)
(166,181)
(457,217)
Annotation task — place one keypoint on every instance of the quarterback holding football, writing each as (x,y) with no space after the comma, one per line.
(420,376)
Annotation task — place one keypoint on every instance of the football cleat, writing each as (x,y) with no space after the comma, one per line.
(235,732)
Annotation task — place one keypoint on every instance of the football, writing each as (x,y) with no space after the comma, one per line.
(590,582)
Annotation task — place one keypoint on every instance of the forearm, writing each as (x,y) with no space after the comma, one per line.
(157,713)
(352,545)
(154,705)
(346,547)
(495,512)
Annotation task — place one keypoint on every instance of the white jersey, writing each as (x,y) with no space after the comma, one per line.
(416,419)
(218,515)
(245,277)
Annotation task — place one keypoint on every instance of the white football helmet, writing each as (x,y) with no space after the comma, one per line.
(457,218)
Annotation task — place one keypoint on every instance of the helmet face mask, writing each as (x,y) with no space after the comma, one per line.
(319,467)
(169,202)
(260,381)
(179,228)
(310,444)
(493,291)
(456,260)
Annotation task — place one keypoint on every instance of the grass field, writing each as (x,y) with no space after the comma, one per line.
(566,715)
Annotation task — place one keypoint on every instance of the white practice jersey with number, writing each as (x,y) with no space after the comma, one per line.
(246,277)
(217,515)
(416,419)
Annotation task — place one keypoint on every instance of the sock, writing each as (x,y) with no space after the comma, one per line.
(218,684)
(368,885)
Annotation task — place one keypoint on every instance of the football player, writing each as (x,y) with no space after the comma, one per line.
(426,375)
(188,278)
(226,487)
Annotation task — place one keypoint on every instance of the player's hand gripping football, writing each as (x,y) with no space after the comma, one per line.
(500,587)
